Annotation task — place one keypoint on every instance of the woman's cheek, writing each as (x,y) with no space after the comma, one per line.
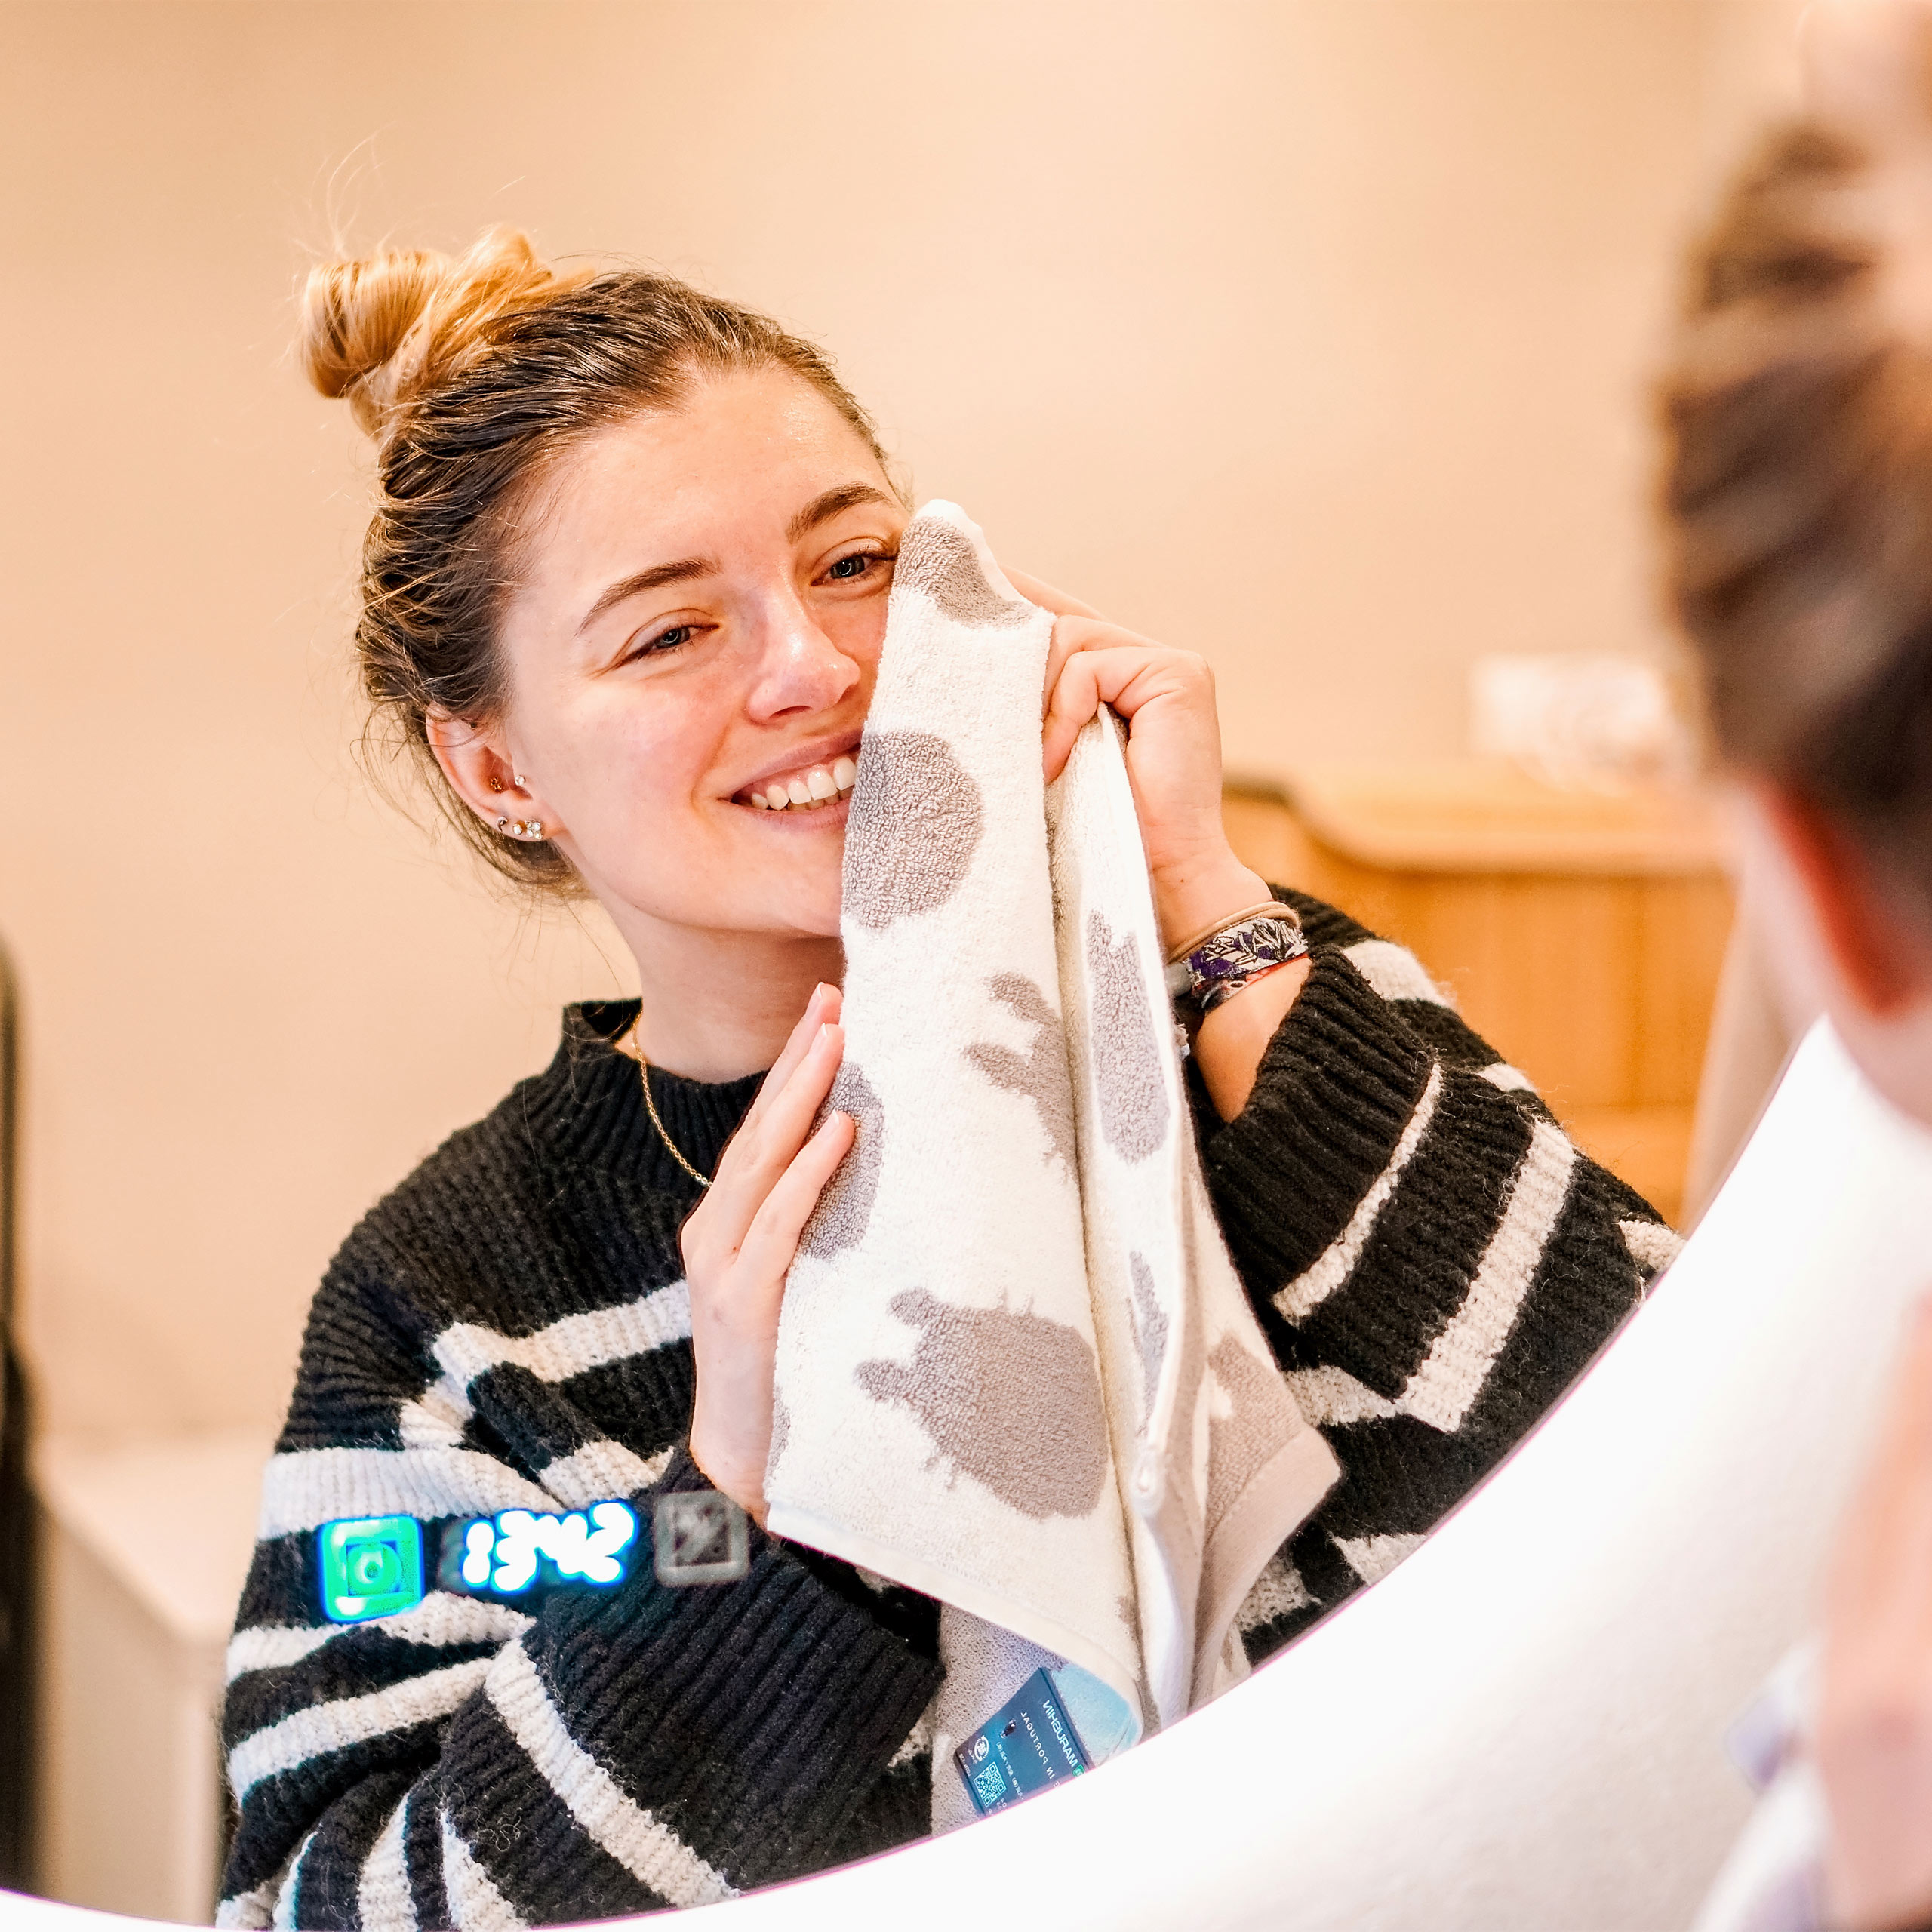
(857,631)
(635,790)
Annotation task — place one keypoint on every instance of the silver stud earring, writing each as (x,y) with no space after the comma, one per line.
(504,826)
(536,828)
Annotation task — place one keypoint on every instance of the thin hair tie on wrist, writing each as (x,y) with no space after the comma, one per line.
(1269,908)
(651,1107)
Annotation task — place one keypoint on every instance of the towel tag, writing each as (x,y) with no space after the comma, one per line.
(1027,1744)
(700,1536)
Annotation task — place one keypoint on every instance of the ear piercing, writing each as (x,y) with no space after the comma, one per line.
(530,830)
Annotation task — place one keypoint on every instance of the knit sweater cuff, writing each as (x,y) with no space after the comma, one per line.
(1335,1089)
(752,1716)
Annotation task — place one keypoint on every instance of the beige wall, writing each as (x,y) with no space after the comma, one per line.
(1311,332)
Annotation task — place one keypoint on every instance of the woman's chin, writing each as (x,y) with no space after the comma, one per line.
(799,869)
(810,909)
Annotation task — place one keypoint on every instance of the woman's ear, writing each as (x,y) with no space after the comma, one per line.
(1883,955)
(479,768)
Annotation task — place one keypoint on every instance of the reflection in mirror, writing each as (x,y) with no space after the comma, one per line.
(1013,1227)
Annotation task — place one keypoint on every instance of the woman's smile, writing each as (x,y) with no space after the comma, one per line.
(810,782)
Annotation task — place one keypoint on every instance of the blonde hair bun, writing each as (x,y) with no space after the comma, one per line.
(382,331)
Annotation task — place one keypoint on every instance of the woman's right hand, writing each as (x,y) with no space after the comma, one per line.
(738,1245)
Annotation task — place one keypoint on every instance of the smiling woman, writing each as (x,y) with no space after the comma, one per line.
(624,594)
(681,667)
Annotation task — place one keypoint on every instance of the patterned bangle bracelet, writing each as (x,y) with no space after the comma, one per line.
(1229,961)
(1269,908)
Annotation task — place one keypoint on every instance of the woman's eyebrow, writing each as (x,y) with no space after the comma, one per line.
(820,509)
(823,509)
(653,578)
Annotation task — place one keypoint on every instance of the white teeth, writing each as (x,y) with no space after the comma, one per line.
(819,786)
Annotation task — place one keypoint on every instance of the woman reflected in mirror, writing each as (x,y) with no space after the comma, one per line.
(625,591)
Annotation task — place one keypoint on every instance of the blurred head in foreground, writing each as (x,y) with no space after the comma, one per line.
(1798,495)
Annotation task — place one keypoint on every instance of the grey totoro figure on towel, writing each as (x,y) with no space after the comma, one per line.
(1040,1074)
(961,1385)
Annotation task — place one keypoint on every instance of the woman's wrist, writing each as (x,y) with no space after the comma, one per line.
(1189,898)
(729,1475)
(1229,1043)
(1230,1038)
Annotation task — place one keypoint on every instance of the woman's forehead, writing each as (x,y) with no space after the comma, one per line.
(734,479)
(746,451)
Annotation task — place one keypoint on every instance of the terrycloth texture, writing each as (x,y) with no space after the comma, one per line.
(1016,1368)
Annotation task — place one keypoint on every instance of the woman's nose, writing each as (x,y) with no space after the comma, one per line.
(800,668)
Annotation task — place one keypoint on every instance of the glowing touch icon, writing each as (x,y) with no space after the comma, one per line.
(372,1566)
(503,1555)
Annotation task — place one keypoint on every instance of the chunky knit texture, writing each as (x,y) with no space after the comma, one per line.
(1432,1262)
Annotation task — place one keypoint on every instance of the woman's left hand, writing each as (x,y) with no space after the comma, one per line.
(1173,760)
(1166,698)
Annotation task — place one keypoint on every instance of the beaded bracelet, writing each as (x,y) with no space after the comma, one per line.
(1231,957)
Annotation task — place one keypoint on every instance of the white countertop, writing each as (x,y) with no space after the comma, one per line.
(173,1518)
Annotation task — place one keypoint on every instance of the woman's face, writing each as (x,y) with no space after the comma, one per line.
(691,651)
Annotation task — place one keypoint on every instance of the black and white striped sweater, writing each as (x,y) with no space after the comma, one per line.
(1433,1261)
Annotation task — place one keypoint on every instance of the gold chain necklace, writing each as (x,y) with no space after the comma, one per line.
(650,1108)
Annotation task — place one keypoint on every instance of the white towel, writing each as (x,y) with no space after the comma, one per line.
(1016,1368)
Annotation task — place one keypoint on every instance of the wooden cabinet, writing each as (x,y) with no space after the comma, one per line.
(1581,933)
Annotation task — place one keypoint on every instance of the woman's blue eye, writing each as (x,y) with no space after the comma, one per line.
(678,634)
(849,567)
